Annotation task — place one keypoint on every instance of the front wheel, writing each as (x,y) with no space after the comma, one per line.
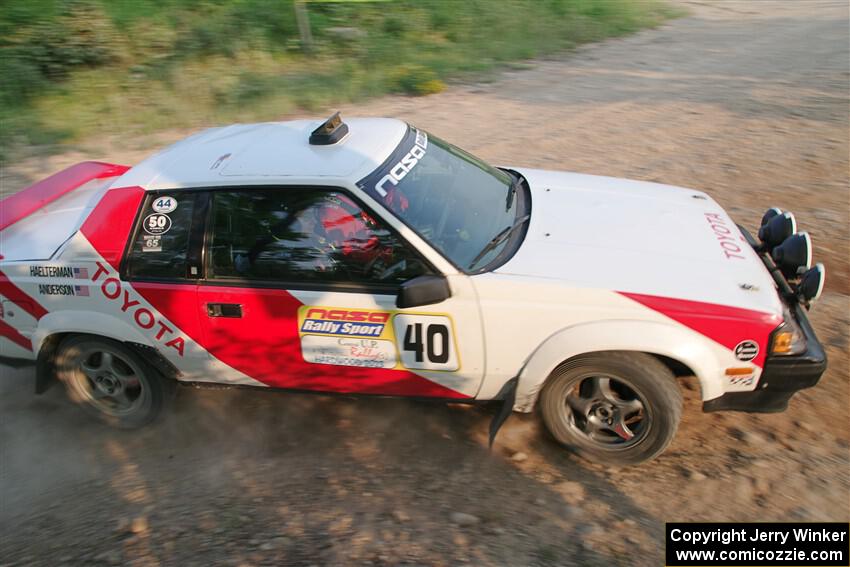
(617,408)
(111,381)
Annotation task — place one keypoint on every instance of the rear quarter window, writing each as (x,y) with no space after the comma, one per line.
(161,243)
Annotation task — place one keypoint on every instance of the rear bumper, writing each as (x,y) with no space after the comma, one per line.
(782,377)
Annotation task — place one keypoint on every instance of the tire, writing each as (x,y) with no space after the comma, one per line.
(616,408)
(111,381)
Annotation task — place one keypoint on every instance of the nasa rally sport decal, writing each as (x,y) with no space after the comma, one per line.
(746,350)
(376,339)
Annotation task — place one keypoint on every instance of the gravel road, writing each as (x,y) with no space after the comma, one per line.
(745,100)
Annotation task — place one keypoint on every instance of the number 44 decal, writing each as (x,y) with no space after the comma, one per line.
(426,342)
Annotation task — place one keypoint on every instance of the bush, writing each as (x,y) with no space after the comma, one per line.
(48,51)
(20,78)
(81,36)
(416,80)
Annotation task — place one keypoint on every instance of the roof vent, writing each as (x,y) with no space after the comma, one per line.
(330,132)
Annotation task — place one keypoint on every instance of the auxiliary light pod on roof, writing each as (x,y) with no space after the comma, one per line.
(330,132)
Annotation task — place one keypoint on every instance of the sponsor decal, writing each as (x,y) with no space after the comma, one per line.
(368,353)
(344,322)
(405,165)
(157,224)
(346,337)
(376,339)
(726,236)
(114,289)
(152,243)
(63,289)
(164,205)
(742,381)
(347,329)
(746,350)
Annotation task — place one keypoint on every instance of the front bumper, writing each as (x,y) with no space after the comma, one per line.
(782,375)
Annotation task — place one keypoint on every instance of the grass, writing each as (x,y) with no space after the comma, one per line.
(70,69)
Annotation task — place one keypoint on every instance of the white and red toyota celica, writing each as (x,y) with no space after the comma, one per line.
(369,257)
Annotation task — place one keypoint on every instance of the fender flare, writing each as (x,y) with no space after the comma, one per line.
(681,344)
(88,322)
(53,325)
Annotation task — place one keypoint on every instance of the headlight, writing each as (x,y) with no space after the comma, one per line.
(788,338)
(794,254)
(811,284)
(769,214)
(777,229)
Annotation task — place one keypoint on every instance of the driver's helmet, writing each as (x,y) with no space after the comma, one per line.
(348,228)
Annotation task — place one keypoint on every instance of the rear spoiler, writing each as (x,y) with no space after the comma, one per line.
(29,200)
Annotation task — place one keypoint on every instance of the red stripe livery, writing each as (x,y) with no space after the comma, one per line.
(109,224)
(727,326)
(15,294)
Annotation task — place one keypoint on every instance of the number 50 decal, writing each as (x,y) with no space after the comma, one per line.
(425,342)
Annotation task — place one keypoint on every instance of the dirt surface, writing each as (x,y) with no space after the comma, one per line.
(745,100)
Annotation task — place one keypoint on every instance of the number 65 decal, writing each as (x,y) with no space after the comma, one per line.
(425,342)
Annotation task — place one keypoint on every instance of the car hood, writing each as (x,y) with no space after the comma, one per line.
(641,238)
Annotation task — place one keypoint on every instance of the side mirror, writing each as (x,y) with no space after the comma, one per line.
(423,290)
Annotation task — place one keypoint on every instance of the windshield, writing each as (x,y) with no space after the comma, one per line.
(463,207)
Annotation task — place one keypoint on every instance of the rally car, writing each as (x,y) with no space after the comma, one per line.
(370,257)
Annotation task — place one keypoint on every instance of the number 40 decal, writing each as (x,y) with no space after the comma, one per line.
(425,342)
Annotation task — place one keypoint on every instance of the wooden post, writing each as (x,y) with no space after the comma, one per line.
(303,25)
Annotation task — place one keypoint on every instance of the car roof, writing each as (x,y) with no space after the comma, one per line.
(268,153)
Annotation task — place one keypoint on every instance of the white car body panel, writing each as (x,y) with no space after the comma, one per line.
(590,320)
(261,153)
(603,232)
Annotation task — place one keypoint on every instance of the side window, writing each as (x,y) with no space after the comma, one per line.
(308,235)
(162,240)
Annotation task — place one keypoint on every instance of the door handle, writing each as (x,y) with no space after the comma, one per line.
(233,310)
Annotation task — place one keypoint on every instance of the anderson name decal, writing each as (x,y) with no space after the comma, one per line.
(63,289)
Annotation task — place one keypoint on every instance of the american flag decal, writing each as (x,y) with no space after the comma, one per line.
(81,274)
(81,290)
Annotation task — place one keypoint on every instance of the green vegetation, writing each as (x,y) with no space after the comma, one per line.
(72,68)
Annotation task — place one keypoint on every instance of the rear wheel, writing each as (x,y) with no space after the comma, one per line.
(111,381)
(616,408)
